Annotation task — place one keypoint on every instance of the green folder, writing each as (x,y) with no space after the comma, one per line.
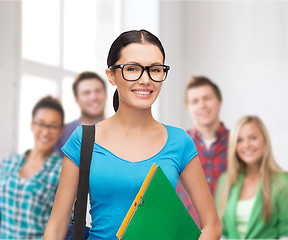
(158,213)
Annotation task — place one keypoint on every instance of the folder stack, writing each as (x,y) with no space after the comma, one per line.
(158,213)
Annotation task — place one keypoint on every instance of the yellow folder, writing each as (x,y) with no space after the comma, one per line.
(158,213)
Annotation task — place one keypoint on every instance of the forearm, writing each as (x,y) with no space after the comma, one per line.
(194,182)
(54,232)
(57,226)
(58,223)
(211,232)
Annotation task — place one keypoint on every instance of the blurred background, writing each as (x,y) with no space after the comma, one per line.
(240,45)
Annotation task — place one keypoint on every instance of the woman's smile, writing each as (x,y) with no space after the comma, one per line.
(142,93)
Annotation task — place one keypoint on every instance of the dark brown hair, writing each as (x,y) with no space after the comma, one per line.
(50,103)
(84,76)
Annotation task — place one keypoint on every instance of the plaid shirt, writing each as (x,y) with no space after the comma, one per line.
(213,160)
(26,204)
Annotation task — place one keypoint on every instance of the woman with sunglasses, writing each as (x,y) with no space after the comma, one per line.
(128,143)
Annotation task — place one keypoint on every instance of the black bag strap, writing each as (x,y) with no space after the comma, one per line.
(88,139)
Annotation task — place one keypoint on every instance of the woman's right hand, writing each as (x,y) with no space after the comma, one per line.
(58,223)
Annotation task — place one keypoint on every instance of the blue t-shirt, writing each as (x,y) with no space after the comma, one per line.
(114,182)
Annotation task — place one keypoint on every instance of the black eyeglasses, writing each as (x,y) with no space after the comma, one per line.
(41,126)
(133,72)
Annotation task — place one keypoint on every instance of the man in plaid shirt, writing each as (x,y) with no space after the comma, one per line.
(203,100)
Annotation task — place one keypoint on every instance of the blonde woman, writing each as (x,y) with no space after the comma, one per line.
(252,196)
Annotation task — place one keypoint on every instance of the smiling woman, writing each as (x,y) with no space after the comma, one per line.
(28,181)
(47,128)
(127,145)
(252,195)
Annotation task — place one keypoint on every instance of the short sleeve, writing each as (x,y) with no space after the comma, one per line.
(72,147)
(189,150)
(9,163)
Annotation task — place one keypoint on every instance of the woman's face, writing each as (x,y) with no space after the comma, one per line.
(250,144)
(47,128)
(142,93)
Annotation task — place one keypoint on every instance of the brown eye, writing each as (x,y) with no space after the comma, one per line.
(253,137)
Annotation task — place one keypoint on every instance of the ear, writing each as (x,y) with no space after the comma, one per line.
(110,76)
(76,100)
(220,105)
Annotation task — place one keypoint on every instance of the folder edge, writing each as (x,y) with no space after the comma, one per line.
(136,201)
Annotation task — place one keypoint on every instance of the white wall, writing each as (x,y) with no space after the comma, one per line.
(9,75)
(101,23)
(243,47)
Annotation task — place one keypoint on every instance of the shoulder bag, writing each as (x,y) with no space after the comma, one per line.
(78,229)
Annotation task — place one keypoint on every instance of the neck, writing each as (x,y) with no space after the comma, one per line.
(131,118)
(38,155)
(207,132)
(252,171)
(84,119)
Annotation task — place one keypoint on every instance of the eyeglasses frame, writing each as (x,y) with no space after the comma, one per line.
(166,68)
(51,128)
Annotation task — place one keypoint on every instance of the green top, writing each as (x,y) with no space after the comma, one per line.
(257,228)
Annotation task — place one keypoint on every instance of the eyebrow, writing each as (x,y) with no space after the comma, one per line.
(155,63)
